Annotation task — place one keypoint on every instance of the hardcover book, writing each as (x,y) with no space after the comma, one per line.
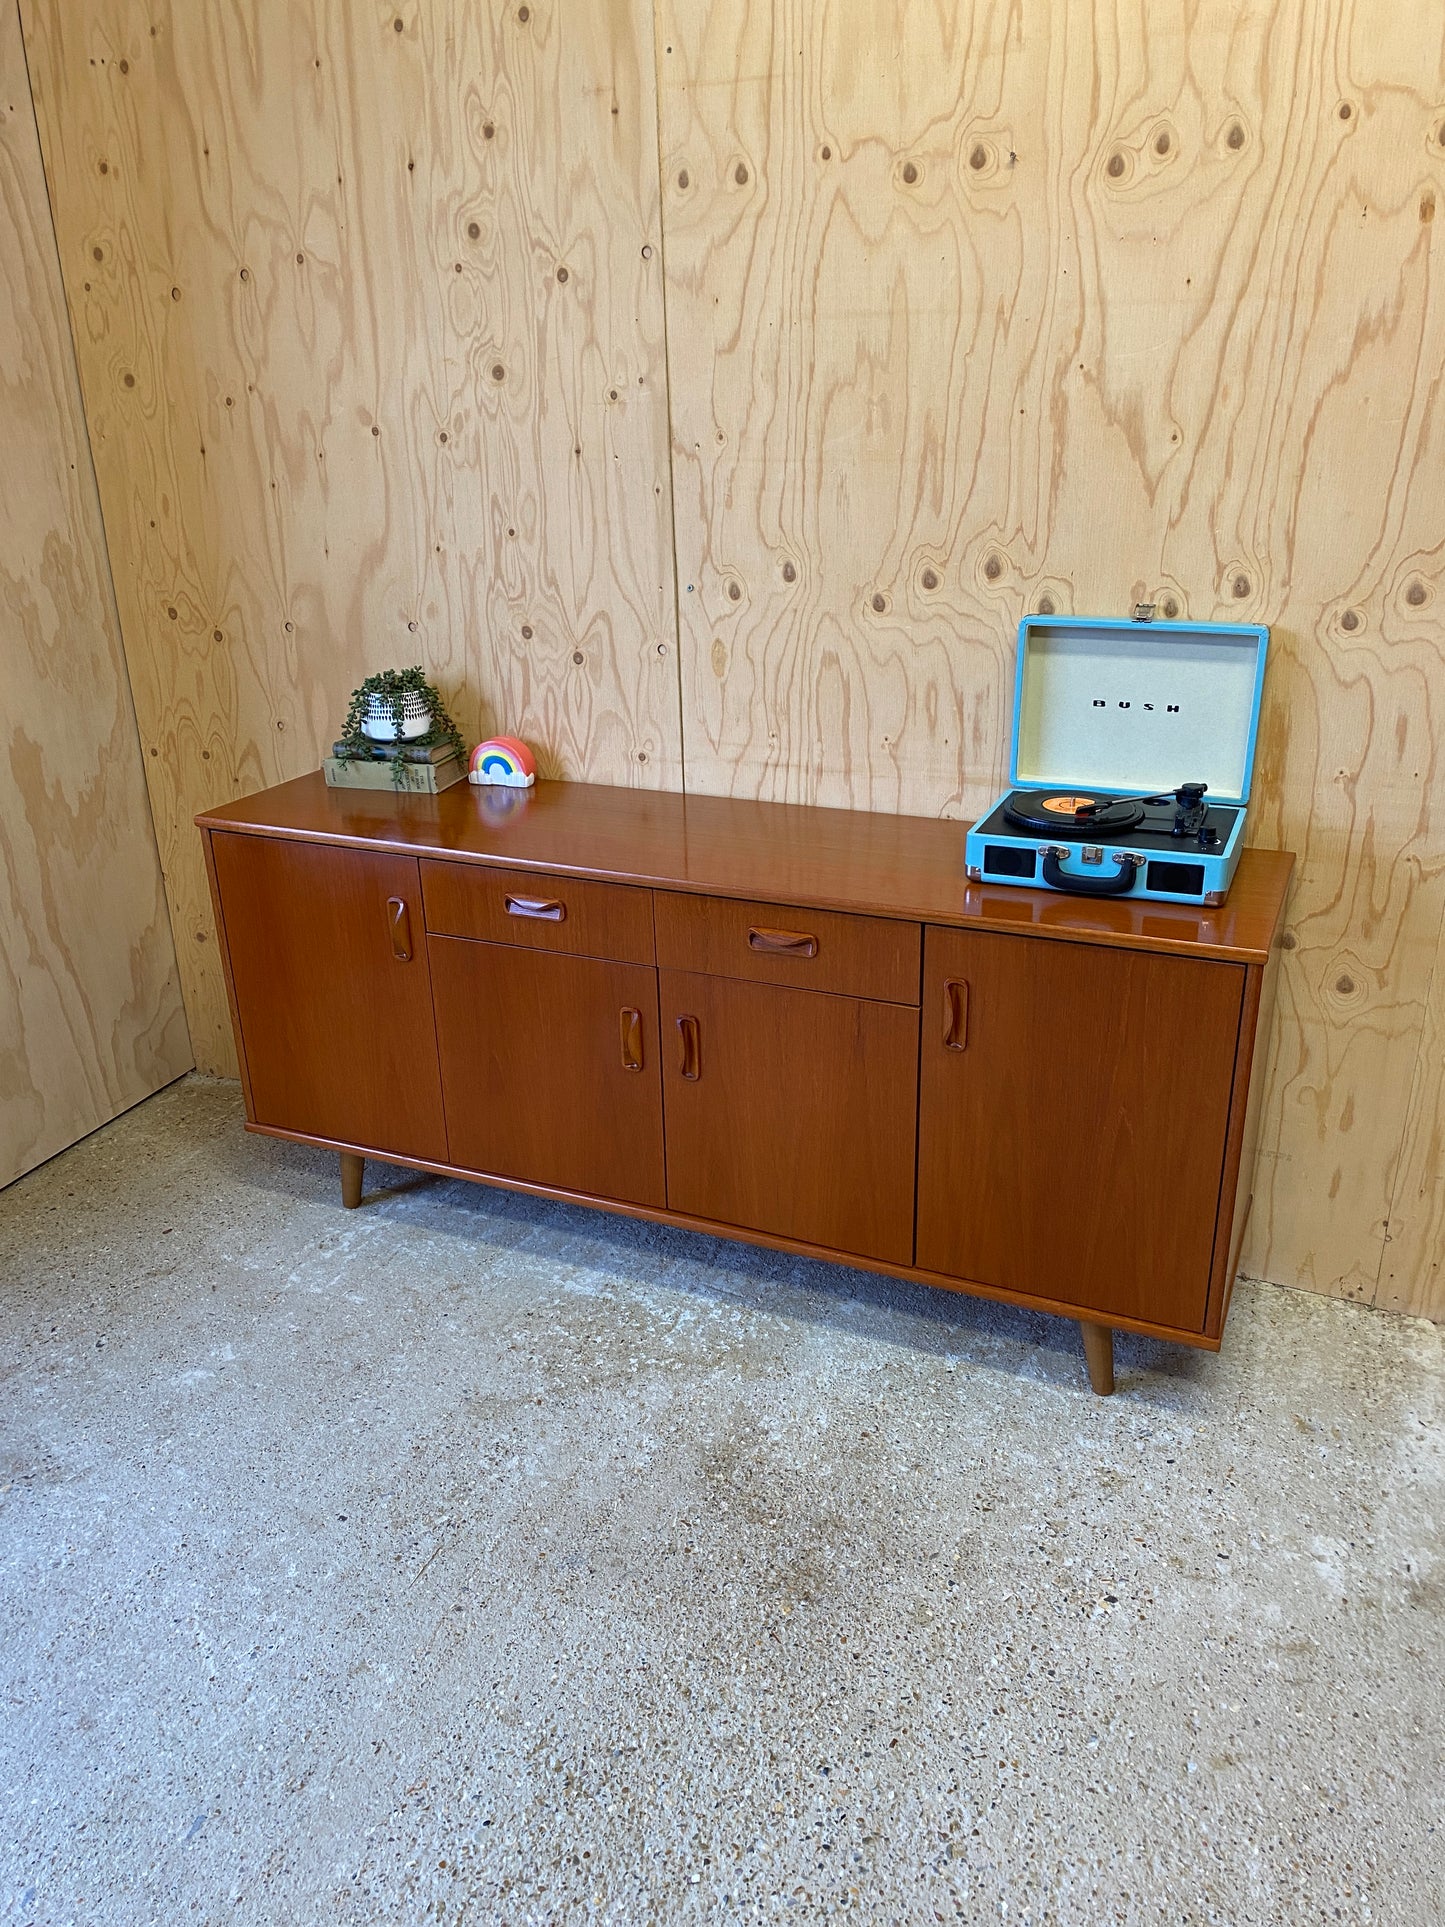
(367,773)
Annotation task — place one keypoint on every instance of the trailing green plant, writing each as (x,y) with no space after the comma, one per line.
(396,689)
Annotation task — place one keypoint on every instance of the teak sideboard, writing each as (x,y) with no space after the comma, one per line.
(800,1027)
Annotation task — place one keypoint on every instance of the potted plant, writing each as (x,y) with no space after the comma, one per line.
(393,715)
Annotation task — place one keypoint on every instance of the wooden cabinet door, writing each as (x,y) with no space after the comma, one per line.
(329,970)
(550,1068)
(791,1111)
(1073,1109)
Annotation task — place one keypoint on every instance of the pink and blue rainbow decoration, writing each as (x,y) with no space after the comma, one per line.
(505,761)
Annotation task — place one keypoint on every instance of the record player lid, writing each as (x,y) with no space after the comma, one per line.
(1137,707)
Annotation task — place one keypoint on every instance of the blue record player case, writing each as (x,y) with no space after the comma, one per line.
(1150,723)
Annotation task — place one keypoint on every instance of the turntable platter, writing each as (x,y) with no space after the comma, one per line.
(1073,812)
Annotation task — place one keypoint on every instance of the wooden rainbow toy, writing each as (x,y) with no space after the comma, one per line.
(505,761)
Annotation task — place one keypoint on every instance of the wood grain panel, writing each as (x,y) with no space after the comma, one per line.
(1127,1069)
(491,906)
(794,1112)
(369,314)
(90,1009)
(333,992)
(972,312)
(533,1068)
(783,943)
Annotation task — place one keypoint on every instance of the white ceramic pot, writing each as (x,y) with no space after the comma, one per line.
(378,725)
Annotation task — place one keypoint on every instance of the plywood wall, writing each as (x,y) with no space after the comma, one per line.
(90,1009)
(368,303)
(972,308)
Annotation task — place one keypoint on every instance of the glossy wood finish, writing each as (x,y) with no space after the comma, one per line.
(1083,1088)
(1099,1356)
(1075,1147)
(791,1112)
(550,1068)
(519,907)
(353,1178)
(792,944)
(777,853)
(336,1030)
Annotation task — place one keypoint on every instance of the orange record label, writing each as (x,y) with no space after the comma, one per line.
(1067,805)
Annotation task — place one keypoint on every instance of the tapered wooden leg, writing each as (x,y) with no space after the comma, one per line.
(1099,1351)
(352,1171)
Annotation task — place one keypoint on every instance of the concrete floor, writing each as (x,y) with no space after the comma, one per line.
(470,1558)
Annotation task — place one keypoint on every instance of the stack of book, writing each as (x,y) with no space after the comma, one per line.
(428,765)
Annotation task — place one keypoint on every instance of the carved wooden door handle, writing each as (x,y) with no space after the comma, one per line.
(688,1031)
(955,1013)
(630,1028)
(400,929)
(783,943)
(550,909)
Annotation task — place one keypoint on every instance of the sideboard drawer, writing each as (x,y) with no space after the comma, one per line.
(875,957)
(538,912)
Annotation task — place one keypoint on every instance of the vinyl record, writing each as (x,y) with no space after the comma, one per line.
(1072,812)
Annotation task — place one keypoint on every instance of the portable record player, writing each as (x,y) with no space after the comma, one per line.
(1133,748)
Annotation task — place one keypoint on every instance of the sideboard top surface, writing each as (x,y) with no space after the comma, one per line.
(853,860)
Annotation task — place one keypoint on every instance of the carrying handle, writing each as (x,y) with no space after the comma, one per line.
(400,929)
(955,1013)
(783,943)
(1078,886)
(689,1032)
(629,1025)
(549,909)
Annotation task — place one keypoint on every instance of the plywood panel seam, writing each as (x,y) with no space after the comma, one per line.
(657,44)
(92,475)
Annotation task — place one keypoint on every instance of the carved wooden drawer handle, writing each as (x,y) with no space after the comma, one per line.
(688,1031)
(783,943)
(955,1014)
(630,1027)
(400,929)
(550,909)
